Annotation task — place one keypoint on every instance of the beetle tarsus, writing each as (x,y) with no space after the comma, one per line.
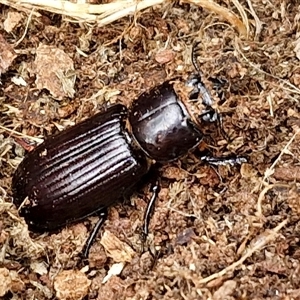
(102,217)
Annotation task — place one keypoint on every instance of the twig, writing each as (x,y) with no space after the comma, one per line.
(259,245)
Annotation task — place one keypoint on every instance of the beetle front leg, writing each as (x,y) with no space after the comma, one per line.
(222,161)
(102,217)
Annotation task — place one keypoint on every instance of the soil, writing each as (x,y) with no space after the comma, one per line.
(225,232)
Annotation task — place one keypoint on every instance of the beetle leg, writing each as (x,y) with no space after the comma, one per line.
(221,128)
(102,217)
(149,209)
(209,115)
(222,161)
(200,91)
(218,85)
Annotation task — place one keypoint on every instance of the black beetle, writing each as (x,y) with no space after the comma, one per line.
(83,170)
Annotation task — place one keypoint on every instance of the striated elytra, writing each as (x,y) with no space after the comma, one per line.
(85,169)
(78,172)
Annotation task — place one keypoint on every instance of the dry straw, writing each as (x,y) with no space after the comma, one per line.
(104,14)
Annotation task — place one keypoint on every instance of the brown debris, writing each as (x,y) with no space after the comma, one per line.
(289,173)
(172,172)
(185,236)
(13,19)
(297,48)
(164,56)
(54,71)
(225,291)
(10,281)
(71,285)
(116,249)
(5,281)
(7,55)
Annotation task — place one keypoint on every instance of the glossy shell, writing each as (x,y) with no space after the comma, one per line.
(162,126)
(78,172)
